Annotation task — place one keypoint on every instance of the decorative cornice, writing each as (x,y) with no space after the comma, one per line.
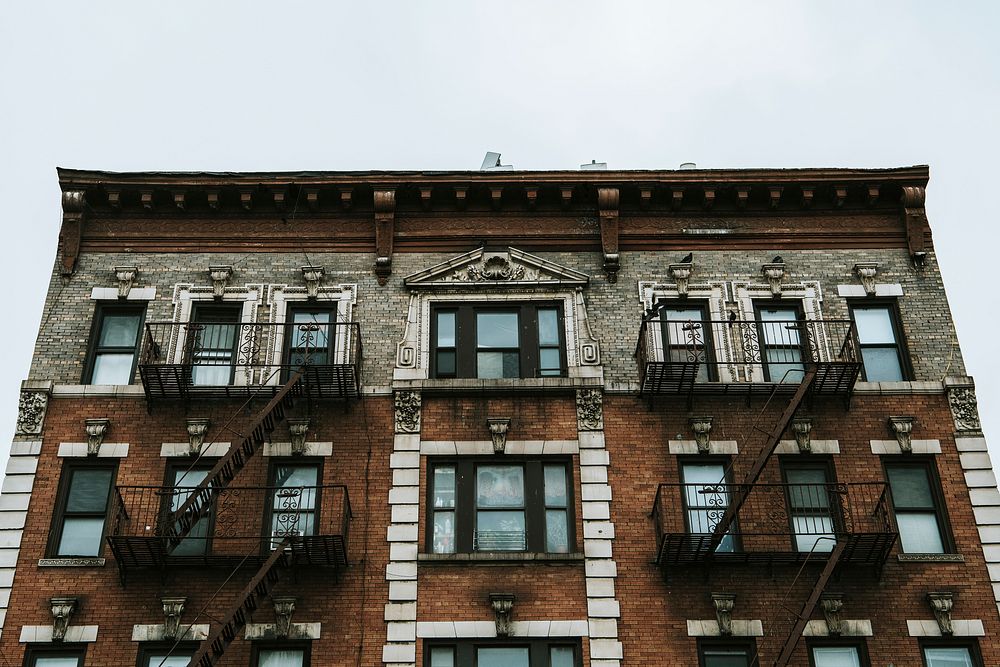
(607,206)
(385,219)
(73,206)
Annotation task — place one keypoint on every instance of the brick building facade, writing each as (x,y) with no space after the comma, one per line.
(588,418)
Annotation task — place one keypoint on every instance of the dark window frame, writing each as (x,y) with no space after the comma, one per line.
(32,653)
(310,306)
(831,642)
(708,459)
(937,494)
(147,649)
(174,465)
(466,342)
(896,320)
(803,346)
(811,462)
(708,340)
(198,311)
(534,500)
(272,466)
(538,649)
(69,467)
(304,646)
(745,643)
(957,642)
(101,309)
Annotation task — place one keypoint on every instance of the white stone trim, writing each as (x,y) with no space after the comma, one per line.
(861,627)
(42,634)
(742,627)
(485,447)
(816,447)
(134,294)
(881,289)
(981,482)
(488,629)
(14,501)
(155,632)
(961,628)
(98,391)
(714,294)
(345,296)
(688,447)
(107,450)
(183,449)
(285,449)
(891,447)
(295,631)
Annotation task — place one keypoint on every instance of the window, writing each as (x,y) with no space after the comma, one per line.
(882,352)
(504,653)
(64,656)
(945,653)
(310,335)
(687,337)
(837,653)
(184,480)
(212,337)
(486,506)
(114,343)
(78,529)
(166,655)
(780,343)
(288,654)
(809,507)
(727,654)
(916,499)
(512,341)
(294,499)
(706,498)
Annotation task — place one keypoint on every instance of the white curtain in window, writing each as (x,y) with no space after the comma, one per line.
(281,658)
(836,656)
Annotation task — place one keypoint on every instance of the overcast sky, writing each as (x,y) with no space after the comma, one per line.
(433,85)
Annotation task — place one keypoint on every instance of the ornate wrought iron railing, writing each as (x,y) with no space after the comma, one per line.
(777,521)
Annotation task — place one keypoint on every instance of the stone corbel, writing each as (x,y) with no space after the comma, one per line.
(313,275)
(801,428)
(503,608)
(774,273)
(283,609)
(607,205)
(385,219)
(96,430)
(125,275)
(297,430)
(702,428)
(498,427)
(724,603)
(172,610)
(220,276)
(73,204)
(681,274)
(62,610)
(832,603)
(866,272)
(902,428)
(914,221)
(196,430)
(941,603)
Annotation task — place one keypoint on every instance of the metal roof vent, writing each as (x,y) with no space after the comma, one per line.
(492,163)
(595,166)
(688,165)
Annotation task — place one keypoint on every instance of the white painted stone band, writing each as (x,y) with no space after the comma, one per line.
(155,632)
(714,447)
(488,629)
(107,450)
(183,449)
(485,447)
(815,446)
(861,627)
(42,634)
(881,289)
(134,294)
(961,628)
(710,628)
(891,447)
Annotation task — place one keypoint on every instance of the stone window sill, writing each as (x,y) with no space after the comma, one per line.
(71,562)
(497,558)
(931,558)
(517,385)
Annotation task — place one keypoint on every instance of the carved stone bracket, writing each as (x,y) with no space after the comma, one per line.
(220,276)
(385,220)
(31,412)
(866,272)
(607,205)
(297,430)
(914,219)
(681,274)
(831,604)
(589,410)
(62,610)
(941,603)
(125,275)
(702,428)
(964,408)
(498,427)
(283,609)
(196,430)
(801,429)
(902,428)
(724,603)
(774,273)
(407,411)
(96,430)
(503,609)
(73,205)
(313,275)
(172,610)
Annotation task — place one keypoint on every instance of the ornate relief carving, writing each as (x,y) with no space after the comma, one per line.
(832,603)
(196,430)
(964,408)
(941,603)
(31,412)
(589,410)
(313,275)
(590,349)
(496,268)
(801,428)
(681,273)
(96,430)
(125,275)
(498,427)
(503,609)
(297,430)
(724,603)
(702,428)
(902,428)
(62,609)
(866,273)
(172,610)
(774,273)
(283,609)
(407,411)
(220,276)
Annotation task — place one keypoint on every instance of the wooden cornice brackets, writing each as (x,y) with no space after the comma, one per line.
(385,222)
(607,205)
(72,229)
(915,222)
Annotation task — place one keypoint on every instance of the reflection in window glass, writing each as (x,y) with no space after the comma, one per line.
(281,658)
(444,510)
(549,356)
(916,512)
(500,522)
(114,352)
(812,518)
(836,656)
(502,657)
(958,656)
(196,541)
(84,513)
(556,511)
(781,344)
(293,506)
(446,343)
(497,343)
(42,661)
(706,497)
(724,657)
(562,656)
(880,351)
(442,657)
(172,660)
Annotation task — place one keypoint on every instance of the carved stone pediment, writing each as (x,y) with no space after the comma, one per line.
(492,269)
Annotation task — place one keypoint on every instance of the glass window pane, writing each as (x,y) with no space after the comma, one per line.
(881,364)
(501,657)
(496,330)
(807,488)
(556,532)
(444,532)
(179,659)
(295,476)
(910,487)
(311,329)
(112,369)
(88,490)
(919,533)
(446,329)
(874,325)
(211,376)
(958,656)
(81,536)
(499,486)
(498,365)
(119,330)
(42,661)
(500,531)
(548,326)
(836,656)
(288,523)
(549,359)
(778,326)
(444,486)
(445,362)
(562,656)
(555,486)
(442,656)
(809,530)
(217,336)
(281,658)
(726,658)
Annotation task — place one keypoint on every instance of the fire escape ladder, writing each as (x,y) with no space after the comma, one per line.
(248,601)
(743,490)
(807,609)
(199,502)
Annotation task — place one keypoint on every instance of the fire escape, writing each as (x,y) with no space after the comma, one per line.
(749,522)
(214,522)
